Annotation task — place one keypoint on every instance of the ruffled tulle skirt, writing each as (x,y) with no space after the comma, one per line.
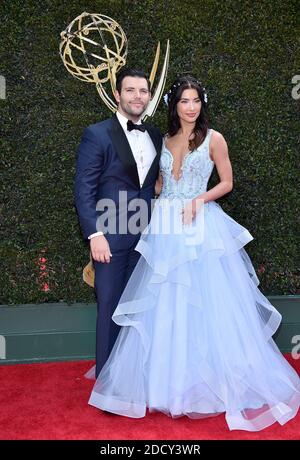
(197,332)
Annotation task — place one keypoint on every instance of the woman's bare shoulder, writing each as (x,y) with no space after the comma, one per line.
(216,135)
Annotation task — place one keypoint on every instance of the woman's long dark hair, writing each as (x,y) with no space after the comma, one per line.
(174,96)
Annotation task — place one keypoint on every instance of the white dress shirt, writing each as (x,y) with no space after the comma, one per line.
(142,148)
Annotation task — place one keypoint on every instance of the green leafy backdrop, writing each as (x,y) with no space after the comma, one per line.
(245,52)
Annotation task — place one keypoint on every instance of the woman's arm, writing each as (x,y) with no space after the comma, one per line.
(219,154)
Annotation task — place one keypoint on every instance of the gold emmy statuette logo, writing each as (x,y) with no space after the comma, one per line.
(93,49)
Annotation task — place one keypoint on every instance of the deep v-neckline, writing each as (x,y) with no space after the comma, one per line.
(182,162)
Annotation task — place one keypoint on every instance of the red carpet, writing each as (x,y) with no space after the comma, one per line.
(49,401)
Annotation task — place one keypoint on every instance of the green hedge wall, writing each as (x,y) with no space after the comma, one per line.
(246,53)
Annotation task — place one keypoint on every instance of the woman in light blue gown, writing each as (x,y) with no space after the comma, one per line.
(197,332)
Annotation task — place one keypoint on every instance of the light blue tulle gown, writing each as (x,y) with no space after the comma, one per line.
(197,332)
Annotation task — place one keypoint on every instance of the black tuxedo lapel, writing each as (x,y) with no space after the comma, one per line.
(125,154)
(123,149)
(157,142)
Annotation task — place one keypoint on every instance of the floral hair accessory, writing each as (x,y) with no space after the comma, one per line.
(167,96)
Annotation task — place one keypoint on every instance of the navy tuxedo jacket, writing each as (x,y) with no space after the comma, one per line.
(106,166)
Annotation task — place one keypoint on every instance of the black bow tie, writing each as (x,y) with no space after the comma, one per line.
(131,126)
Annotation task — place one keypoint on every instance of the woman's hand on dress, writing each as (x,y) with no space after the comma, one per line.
(190,210)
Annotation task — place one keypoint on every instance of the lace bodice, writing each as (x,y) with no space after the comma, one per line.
(196,170)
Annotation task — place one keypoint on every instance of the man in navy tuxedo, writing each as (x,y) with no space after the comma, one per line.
(117,166)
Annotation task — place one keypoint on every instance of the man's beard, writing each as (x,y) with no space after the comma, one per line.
(135,112)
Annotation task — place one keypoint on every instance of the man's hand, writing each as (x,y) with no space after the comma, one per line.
(100,249)
(158,184)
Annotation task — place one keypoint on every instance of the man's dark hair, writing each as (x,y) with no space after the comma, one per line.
(130,73)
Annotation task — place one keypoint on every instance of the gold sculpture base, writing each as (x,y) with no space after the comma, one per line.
(88,273)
